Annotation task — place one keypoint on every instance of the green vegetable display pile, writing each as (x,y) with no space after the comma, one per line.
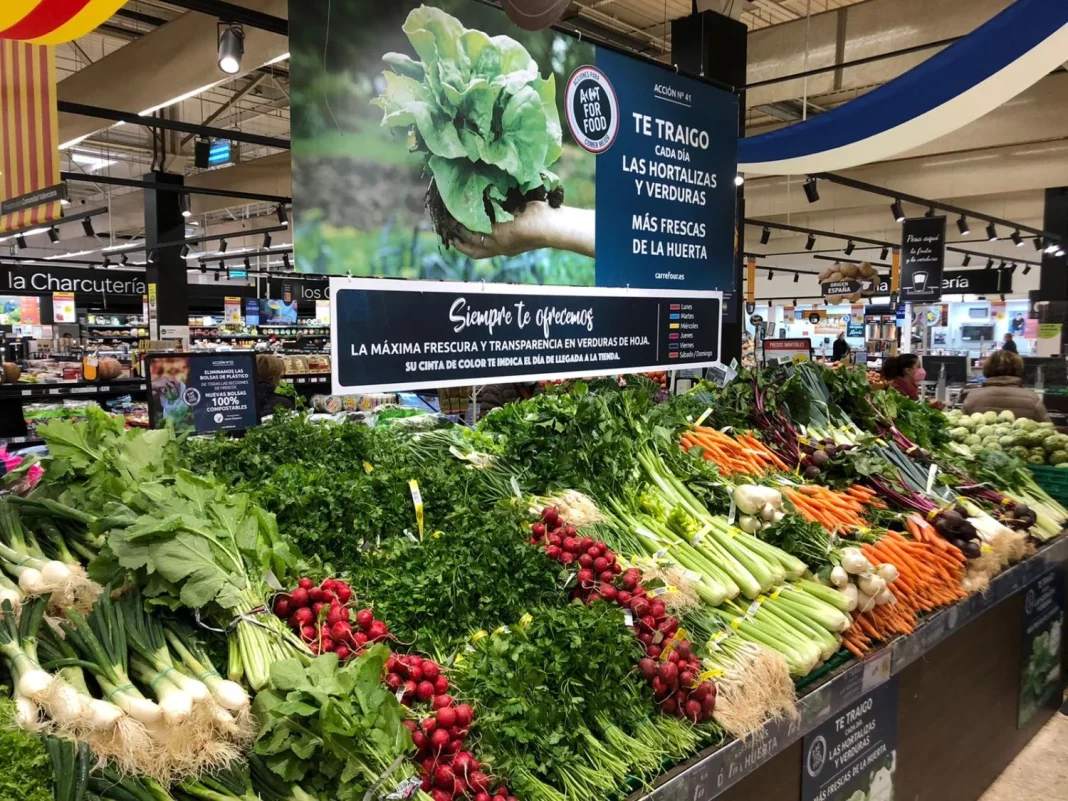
(542,573)
(1032,442)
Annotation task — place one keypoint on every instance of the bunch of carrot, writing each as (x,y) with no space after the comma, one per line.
(835,511)
(743,453)
(930,571)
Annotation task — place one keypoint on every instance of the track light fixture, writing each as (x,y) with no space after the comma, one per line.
(231,47)
(222,264)
(962,225)
(1016,238)
(1059,252)
(248,264)
(765,236)
(771,274)
(795,301)
(1001,266)
(898,210)
(990,264)
(203,267)
(124,260)
(87,226)
(850,246)
(151,257)
(217,274)
(1002,297)
(1039,242)
(183,203)
(796,276)
(884,254)
(107,262)
(222,245)
(20,242)
(739,180)
(811,191)
(811,243)
(281,212)
(185,251)
(53,234)
(991,232)
(1051,247)
(1012,269)
(266,240)
(1026,269)
(285,261)
(967,260)
(930,212)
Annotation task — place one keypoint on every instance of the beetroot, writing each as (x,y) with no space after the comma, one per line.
(648,668)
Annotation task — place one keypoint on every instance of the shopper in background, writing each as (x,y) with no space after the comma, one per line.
(1003,389)
(1009,344)
(269,372)
(904,373)
(840,349)
(493,396)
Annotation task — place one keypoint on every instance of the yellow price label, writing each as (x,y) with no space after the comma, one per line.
(417,499)
(478,635)
(368,467)
(704,416)
(525,621)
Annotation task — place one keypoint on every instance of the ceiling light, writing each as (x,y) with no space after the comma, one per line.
(183,202)
(20,242)
(811,243)
(1026,269)
(185,251)
(1002,297)
(796,276)
(765,236)
(1059,252)
(811,192)
(771,274)
(991,232)
(1039,242)
(898,210)
(64,202)
(738,180)
(930,212)
(281,211)
(124,260)
(222,264)
(248,264)
(967,260)
(1051,247)
(1016,238)
(266,240)
(1001,266)
(53,235)
(203,267)
(795,301)
(849,247)
(990,264)
(151,257)
(884,254)
(87,226)
(217,274)
(231,47)
(222,245)
(962,225)
(285,261)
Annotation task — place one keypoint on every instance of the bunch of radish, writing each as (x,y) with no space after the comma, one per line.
(439,732)
(324,618)
(669,665)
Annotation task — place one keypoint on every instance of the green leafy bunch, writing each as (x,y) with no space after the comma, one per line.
(479,110)
(334,730)
(25,771)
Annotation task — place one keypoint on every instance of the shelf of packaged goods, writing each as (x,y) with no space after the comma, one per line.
(712,772)
(123,337)
(20,442)
(308,378)
(113,325)
(73,389)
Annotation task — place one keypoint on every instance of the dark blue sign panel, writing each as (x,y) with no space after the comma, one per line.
(484,152)
(422,334)
(252,311)
(202,392)
(855,751)
(1041,670)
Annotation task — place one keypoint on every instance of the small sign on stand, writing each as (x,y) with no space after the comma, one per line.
(1041,668)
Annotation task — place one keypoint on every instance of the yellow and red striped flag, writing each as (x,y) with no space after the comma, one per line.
(30,184)
(53,21)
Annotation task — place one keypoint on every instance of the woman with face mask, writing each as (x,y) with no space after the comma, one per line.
(904,373)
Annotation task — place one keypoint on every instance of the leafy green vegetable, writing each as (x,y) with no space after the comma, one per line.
(25,770)
(333,730)
(481,114)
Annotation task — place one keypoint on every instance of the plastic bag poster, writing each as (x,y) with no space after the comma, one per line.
(439,141)
(202,392)
(853,755)
(1041,669)
(392,335)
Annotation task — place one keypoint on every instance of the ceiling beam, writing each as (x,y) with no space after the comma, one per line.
(230,12)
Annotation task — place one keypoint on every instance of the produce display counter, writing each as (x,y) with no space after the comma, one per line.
(961,700)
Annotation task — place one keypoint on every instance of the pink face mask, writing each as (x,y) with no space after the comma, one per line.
(920,374)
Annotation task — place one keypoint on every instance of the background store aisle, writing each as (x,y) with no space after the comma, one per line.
(1040,770)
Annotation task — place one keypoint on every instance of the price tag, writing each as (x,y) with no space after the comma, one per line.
(26,392)
(628,618)
(704,416)
(700,535)
(107,389)
(417,499)
(400,695)
(660,554)
(53,392)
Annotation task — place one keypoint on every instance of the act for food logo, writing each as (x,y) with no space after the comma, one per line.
(592,109)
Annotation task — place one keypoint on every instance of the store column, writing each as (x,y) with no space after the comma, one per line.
(714,46)
(1053,282)
(166,275)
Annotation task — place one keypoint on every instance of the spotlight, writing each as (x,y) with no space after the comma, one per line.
(1051,247)
(248,264)
(1001,266)
(53,235)
(796,276)
(266,240)
(183,202)
(884,254)
(1002,297)
(771,274)
(1012,269)
(1039,242)
(203,267)
(962,225)
(124,260)
(898,210)
(217,274)
(1059,252)
(849,247)
(231,47)
(20,242)
(281,211)
(1026,269)
(930,212)
(811,243)
(967,260)
(87,226)
(991,232)
(151,257)
(185,251)
(795,301)
(222,264)
(811,192)
(222,245)
(765,236)
(990,264)
(738,180)
(285,261)
(1016,238)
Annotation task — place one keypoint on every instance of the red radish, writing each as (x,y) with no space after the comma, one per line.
(554,539)
(585,578)
(585,561)
(653,651)
(616,569)
(341,631)
(649,623)
(669,674)
(443,777)
(393,665)
(329,597)
(378,631)
(441,685)
(685,649)
(442,701)
(550,517)
(431,670)
(304,616)
(585,543)
(428,765)
(410,725)
(623,598)
(686,679)
(315,594)
(503,791)
(464,715)
(673,658)
(364,619)
(600,564)
(428,724)
(657,609)
(454,747)
(553,552)
(420,740)
(482,795)
(658,686)
(645,638)
(394,681)
(669,705)
(648,668)
(344,652)
(567,558)
(639,606)
(415,661)
(593,597)
(570,544)
(344,594)
(326,644)
(437,794)
(336,615)
(608,592)
(425,691)
(446,717)
(538,530)
(415,672)
(439,739)
(305,583)
(571,531)
(299,597)
(606,577)
(409,688)
(317,609)
(309,633)
(462,764)
(360,639)
(283,607)
(479,781)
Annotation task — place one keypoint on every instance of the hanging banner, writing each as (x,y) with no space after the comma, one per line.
(50,22)
(425,334)
(750,282)
(848,282)
(30,185)
(232,311)
(1041,668)
(63,310)
(923,256)
(550,159)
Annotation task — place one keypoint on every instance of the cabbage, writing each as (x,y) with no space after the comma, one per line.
(486,120)
(1006,442)
(991,442)
(990,418)
(1006,416)
(1058,458)
(976,420)
(985,431)
(959,434)
(1019,451)
(973,440)
(1023,424)
(1036,453)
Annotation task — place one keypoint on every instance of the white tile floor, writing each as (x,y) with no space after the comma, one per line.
(1040,771)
